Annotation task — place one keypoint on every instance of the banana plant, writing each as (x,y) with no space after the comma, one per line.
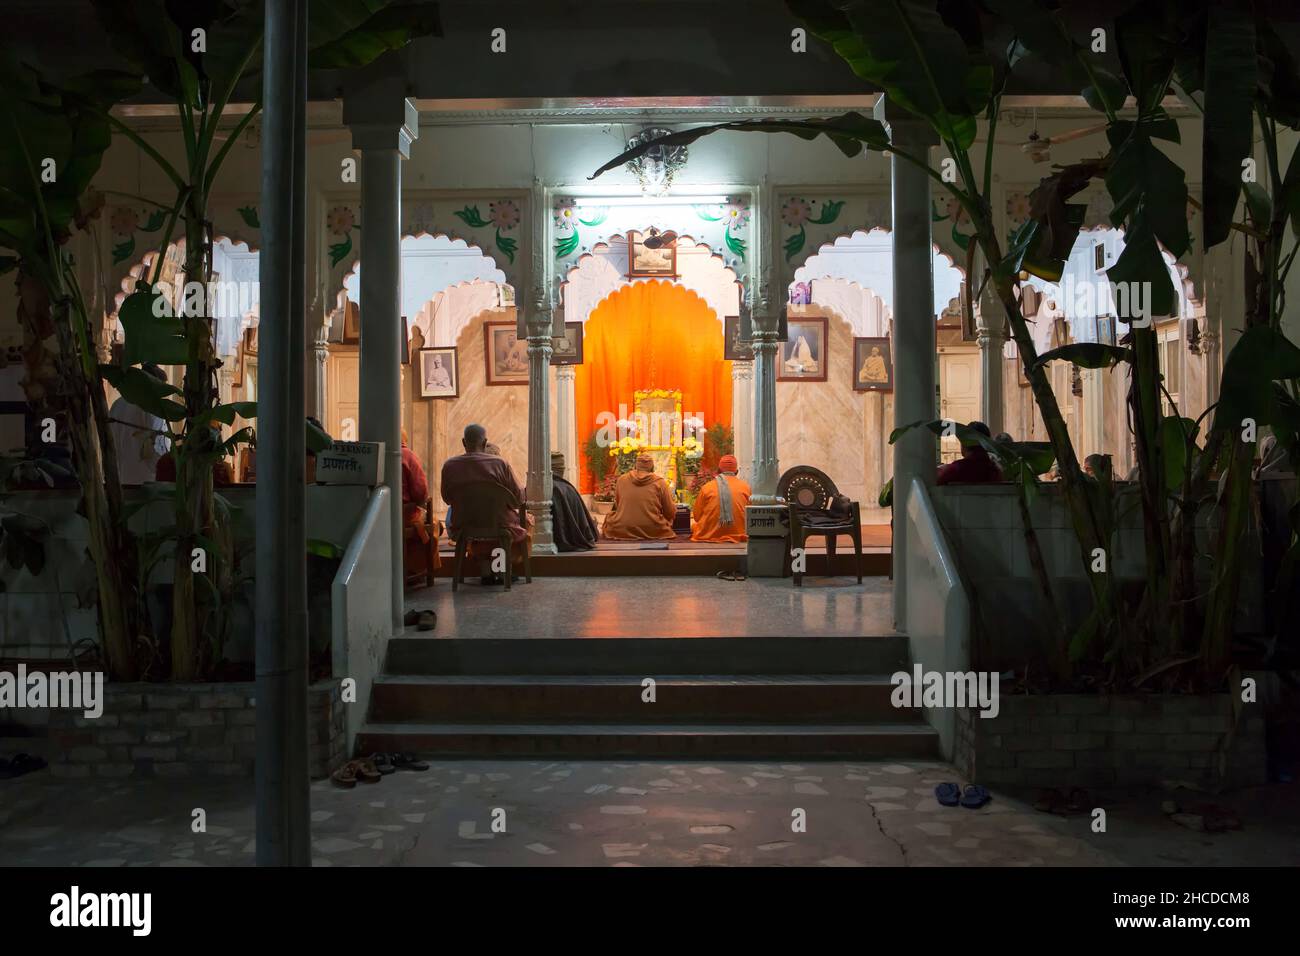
(52,141)
(198,55)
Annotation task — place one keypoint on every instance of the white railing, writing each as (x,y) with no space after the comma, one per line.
(362,617)
(938,610)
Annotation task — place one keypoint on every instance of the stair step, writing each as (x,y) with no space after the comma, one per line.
(647,656)
(768,741)
(815,699)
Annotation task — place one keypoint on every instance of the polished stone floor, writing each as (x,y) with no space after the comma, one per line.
(629,814)
(661,607)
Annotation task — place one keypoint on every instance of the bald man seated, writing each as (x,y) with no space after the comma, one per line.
(719,512)
(643,506)
(477,465)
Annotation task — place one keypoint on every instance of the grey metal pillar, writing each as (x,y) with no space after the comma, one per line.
(383,124)
(766,468)
(914,319)
(283,803)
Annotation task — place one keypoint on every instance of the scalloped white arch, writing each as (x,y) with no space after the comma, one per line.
(663,282)
(431,262)
(442,319)
(603,271)
(866,257)
(235,266)
(867,313)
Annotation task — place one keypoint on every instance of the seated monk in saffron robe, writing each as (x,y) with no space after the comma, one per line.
(719,512)
(571,522)
(478,465)
(415,492)
(643,505)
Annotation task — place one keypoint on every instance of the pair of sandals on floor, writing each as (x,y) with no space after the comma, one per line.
(374,768)
(20,765)
(972,797)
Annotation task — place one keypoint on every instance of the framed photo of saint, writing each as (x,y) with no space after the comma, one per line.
(652,263)
(567,349)
(803,356)
(439,373)
(873,365)
(505,354)
(735,348)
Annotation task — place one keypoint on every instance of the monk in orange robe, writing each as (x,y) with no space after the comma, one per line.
(643,506)
(719,512)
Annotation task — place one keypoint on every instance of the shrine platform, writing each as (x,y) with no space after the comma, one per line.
(685,557)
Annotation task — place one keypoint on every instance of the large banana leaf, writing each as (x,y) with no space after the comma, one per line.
(906,48)
(1231,75)
(851,132)
(41,121)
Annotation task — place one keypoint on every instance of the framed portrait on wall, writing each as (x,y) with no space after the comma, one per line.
(652,263)
(351,323)
(873,365)
(803,355)
(406,341)
(439,373)
(1106,329)
(506,295)
(505,354)
(567,349)
(735,348)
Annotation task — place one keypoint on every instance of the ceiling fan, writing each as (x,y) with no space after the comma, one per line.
(654,239)
(1039,148)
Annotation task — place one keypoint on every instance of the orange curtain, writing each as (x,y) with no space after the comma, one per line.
(650,335)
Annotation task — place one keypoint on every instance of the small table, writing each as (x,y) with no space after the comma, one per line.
(682,520)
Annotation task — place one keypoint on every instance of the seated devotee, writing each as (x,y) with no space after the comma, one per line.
(643,506)
(474,466)
(974,467)
(571,522)
(415,492)
(719,510)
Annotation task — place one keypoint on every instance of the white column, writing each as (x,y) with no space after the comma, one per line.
(539,428)
(914,336)
(742,411)
(566,437)
(991,333)
(321,352)
(383,125)
(766,467)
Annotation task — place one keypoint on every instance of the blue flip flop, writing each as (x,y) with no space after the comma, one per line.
(947,794)
(974,797)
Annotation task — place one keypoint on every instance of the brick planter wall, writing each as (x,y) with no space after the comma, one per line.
(1076,740)
(182,730)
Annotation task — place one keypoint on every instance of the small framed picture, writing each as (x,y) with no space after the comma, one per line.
(873,365)
(1099,257)
(567,349)
(735,348)
(351,323)
(505,354)
(1106,329)
(801,293)
(653,263)
(439,373)
(803,356)
(406,341)
(507,295)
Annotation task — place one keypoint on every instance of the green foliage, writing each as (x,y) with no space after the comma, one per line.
(599,461)
(722,439)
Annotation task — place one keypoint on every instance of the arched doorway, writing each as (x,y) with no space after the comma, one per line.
(649,335)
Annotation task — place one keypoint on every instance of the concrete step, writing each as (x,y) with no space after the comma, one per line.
(816,699)
(646,656)
(857,741)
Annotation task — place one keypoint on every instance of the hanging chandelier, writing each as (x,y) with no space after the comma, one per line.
(655,168)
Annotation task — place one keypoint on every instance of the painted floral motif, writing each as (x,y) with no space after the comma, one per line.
(734,214)
(949,209)
(124,221)
(798,212)
(250,217)
(567,220)
(340,220)
(421,218)
(795,212)
(503,215)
